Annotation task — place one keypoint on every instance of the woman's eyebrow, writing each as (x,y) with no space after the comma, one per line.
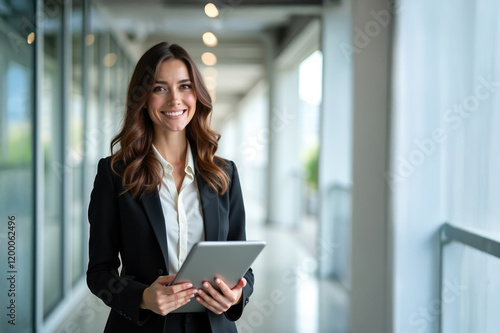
(180,81)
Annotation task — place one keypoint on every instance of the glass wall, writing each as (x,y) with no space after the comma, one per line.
(16,165)
(75,144)
(50,195)
(51,136)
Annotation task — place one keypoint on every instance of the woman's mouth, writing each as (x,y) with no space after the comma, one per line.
(173,113)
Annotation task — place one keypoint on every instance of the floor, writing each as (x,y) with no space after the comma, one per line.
(288,297)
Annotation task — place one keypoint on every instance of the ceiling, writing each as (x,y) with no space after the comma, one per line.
(243,29)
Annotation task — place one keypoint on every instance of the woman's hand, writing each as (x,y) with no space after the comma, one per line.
(163,299)
(219,302)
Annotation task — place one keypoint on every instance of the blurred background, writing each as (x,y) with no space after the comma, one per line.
(366,134)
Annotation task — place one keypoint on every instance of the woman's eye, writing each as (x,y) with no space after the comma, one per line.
(158,89)
(186,86)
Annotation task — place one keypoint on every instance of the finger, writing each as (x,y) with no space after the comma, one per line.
(177,300)
(216,299)
(223,286)
(169,303)
(165,279)
(212,291)
(176,288)
(230,295)
(243,282)
(211,304)
(174,305)
(190,293)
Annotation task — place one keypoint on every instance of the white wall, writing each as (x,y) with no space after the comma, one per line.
(444,162)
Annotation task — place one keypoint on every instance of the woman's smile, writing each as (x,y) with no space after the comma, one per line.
(174,114)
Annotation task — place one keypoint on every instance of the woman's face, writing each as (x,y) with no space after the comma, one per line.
(172,103)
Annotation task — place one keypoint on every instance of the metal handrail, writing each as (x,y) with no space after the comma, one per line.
(450,233)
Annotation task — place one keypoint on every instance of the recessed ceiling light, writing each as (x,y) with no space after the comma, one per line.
(109,59)
(31,38)
(209,39)
(89,40)
(211,10)
(209,59)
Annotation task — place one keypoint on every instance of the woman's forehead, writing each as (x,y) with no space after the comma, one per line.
(172,70)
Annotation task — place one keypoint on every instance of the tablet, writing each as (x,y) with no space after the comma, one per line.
(228,260)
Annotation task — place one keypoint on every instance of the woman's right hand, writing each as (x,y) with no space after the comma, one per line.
(163,299)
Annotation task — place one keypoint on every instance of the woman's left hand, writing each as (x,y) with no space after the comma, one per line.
(219,302)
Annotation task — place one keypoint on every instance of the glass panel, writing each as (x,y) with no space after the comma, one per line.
(51,125)
(470,291)
(76,144)
(105,84)
(16,167)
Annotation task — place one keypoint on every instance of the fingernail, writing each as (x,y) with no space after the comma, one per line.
(195,291)
(217,281)
(191,296)
(190,285)
(198,299)
(200,292)
(205,285)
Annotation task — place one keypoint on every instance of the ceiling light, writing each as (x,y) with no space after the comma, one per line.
(211,10)
(31,38)
(209,59)
(209,39)
(109,59)
(89,40)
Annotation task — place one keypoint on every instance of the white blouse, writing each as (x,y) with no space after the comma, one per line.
(182,212)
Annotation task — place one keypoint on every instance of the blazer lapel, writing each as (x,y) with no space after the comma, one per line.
(152,206)
(210,207)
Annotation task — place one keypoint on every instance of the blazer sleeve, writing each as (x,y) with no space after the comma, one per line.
(237,232)
(122,293)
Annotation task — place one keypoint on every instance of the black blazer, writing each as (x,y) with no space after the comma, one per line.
(131,232)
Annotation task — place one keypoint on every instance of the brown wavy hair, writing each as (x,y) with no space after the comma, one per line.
(139,168)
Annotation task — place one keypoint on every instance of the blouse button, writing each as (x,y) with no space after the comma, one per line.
(160,271)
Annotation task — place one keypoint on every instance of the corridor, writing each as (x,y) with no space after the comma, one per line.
(365,134)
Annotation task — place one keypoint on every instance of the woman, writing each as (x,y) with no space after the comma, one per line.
(162,191)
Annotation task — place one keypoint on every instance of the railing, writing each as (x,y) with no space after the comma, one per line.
(449,234)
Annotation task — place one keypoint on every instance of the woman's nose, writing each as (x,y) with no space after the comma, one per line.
(174,98)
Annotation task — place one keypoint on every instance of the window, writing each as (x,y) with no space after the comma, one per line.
(51,136)
(16,163)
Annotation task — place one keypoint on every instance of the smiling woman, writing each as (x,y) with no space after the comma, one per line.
(140,129)
(160,193)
